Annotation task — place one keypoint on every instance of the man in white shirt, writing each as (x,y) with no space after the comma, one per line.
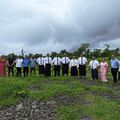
(48,64)
(74,66)
(40,62)
(94,64)
(65,65)
(119,71)
(114,68)
(19,62)
(82,66)
(57,64)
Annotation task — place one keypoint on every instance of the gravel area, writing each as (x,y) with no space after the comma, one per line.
(30,110)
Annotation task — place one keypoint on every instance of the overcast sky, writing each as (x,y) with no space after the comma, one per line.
(42,26)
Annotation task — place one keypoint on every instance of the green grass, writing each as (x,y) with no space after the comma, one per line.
(102,109)
(68,113)
(96,107)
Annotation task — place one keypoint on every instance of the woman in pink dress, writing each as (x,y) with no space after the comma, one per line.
(2,67)
(103,70)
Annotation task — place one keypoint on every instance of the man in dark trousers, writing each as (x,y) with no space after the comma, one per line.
(65,65)
(82,66)
(114,67)
(74,66)
(48,64)
(40,62)
(119,72)
(94,65)
(26,63)
(19,63)
(33,63)
(57,64)
(10,64)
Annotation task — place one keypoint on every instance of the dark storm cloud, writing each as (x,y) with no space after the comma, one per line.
(45,25)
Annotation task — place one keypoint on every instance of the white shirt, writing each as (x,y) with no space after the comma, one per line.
(82,60)
(48,60)
(65,60)
(19,62)
(119,67)
(74,62)
(57,61)
(93,64)
(40,61)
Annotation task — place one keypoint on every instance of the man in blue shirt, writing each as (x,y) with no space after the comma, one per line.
(114,68)
(26,63)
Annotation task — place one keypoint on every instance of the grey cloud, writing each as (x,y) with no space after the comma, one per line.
(45,25)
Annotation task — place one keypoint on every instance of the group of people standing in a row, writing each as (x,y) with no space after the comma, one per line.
(76,66)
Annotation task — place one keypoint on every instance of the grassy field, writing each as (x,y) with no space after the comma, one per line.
(75,98)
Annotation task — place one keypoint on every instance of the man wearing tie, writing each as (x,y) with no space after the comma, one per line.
(82,66)
(65,65)
(74,66)
(57,63)
(40,62)
(94,64)
(48,64)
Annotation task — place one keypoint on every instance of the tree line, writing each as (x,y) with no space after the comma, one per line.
(84,48)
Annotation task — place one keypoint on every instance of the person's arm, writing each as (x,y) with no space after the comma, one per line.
(44,61)
(77,63)
(70,65)
(118,63)
(78,60)
(68,60)
(29,62)
(119,66)
(110,66)
(86,60)
(60,61)
(90,66)
(98,65)
(107,66)
(36,59)
(51,61)
(13,63)
(7,63)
